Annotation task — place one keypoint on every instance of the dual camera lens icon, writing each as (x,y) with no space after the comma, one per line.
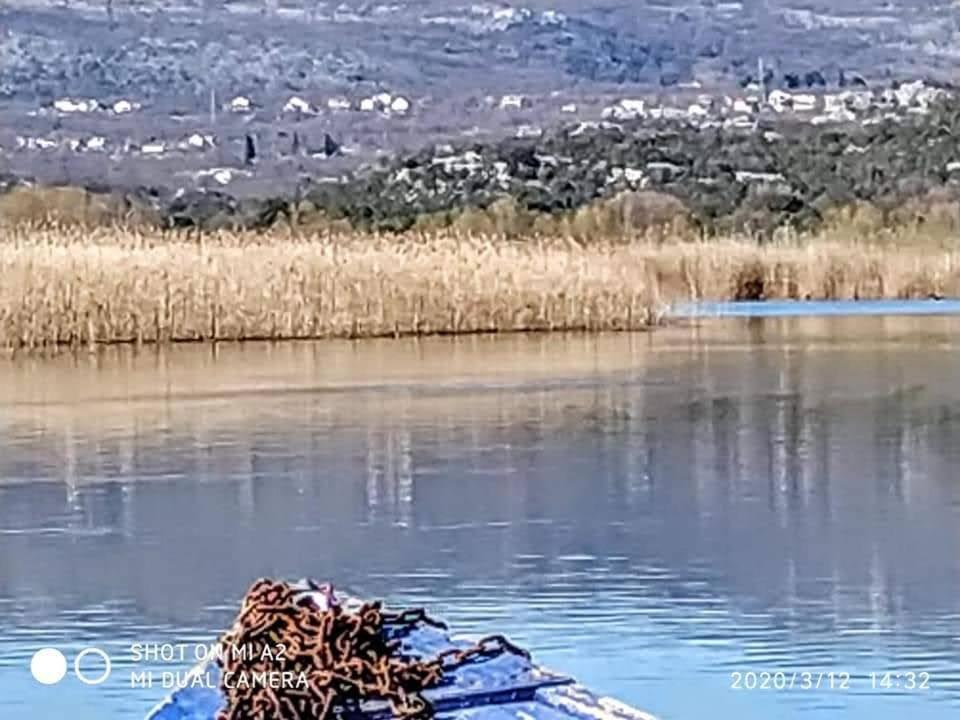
(49,666)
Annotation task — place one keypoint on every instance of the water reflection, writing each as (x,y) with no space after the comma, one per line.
(649,513)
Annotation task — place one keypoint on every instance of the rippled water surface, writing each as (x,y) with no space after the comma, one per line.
(650,513)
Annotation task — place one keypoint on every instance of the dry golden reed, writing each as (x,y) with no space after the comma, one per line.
(83,287)
(70,287)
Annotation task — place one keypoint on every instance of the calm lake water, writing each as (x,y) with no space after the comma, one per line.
(650,513)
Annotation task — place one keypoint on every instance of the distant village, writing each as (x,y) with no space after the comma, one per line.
(860,104)
(526,114)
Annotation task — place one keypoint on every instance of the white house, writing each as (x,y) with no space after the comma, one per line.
(747,176)
(399,105)
(368,105)
(834,103)
(514,102)
(66,105)
(780,100)
(552,17)
(240,104)
(667,113)
(468,161)
(122,107)
(198,141)
(338,103)
(804,102)
(569,108)
(625,109)
(297,105)
(583,127)
(529,131)
(907,93)
(223,176)
(841,115)
(740,121)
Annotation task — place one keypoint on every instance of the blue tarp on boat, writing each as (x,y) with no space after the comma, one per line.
(504,687)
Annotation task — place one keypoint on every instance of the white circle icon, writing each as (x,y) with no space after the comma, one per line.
(106,666)
(48,666)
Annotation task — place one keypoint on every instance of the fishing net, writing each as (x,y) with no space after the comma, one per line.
(297,654)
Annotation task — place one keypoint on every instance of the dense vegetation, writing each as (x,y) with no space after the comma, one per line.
(587,181)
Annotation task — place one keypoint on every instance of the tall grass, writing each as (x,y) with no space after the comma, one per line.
(83,287)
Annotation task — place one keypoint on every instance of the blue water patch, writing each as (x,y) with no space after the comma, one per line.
(801,308)
(741,502)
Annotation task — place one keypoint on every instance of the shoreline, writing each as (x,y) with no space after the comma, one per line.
(70,288)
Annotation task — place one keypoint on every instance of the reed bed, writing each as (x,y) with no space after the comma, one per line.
(82,290)
(70,287)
